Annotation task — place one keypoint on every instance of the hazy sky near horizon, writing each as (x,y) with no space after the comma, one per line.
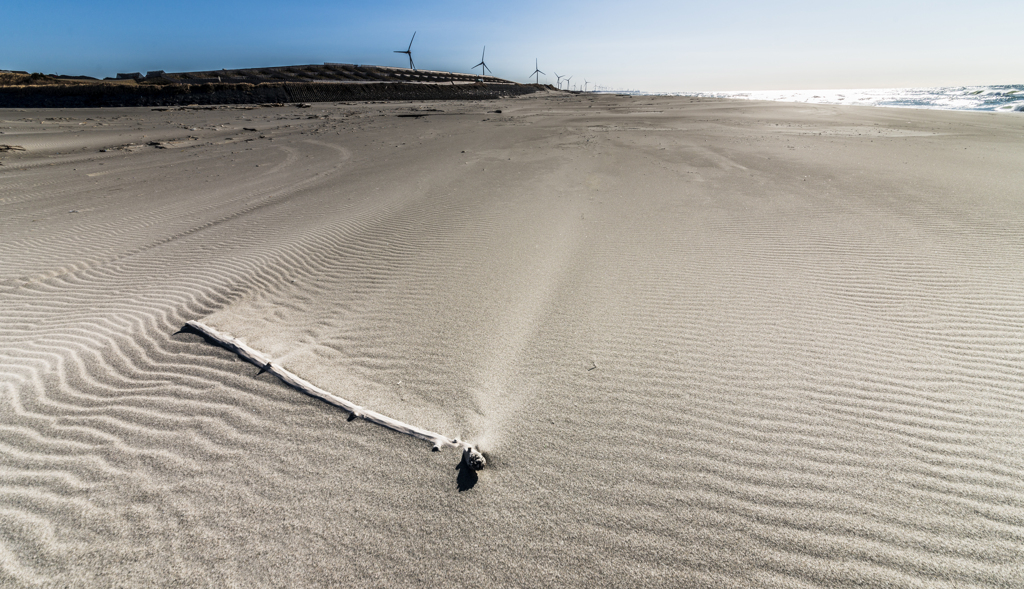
(648,45)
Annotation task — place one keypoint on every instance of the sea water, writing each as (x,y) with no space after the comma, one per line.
(1008,98)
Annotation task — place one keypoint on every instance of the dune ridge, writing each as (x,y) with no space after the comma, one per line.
(703,344)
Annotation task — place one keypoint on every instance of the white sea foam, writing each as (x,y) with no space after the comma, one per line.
(986,98)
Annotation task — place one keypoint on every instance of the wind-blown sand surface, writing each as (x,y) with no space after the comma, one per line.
(703,343)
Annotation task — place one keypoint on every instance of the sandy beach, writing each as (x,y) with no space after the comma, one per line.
(702,343)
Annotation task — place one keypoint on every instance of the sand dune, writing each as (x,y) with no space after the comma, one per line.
(704,343)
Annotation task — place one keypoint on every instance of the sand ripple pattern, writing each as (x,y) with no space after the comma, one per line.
(691,364)
(94,387)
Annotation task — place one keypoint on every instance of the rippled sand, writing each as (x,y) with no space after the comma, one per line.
(703,343)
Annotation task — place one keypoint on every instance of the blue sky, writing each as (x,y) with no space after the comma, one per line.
(647,45)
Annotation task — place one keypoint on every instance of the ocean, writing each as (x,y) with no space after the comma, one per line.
(1008,98)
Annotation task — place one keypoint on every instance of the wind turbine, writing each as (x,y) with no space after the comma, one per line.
(409,52)
(585,82)
(536,70)
(559,80)
(567,80)
(483,66)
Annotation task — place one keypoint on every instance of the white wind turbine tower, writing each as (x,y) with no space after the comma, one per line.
(567,80)
(536,71)
(558,81)
(585,82)
(408,51)
(483,66)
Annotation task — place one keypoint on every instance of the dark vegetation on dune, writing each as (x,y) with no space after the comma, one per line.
(37,79)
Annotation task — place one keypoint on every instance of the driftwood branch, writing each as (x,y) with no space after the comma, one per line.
(471,456)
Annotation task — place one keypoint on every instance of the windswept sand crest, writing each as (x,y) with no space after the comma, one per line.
(708,343)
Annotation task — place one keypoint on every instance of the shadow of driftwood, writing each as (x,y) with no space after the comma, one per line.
(193,331)
(467,477)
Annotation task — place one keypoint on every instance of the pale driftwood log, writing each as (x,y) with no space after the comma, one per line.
(263,362)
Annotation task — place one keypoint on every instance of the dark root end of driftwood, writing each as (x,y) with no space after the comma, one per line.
(472,458)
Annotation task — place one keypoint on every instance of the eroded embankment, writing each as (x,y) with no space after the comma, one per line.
(108,95)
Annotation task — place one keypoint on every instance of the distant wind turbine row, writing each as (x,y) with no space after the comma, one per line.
(558,79)
(484,69)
